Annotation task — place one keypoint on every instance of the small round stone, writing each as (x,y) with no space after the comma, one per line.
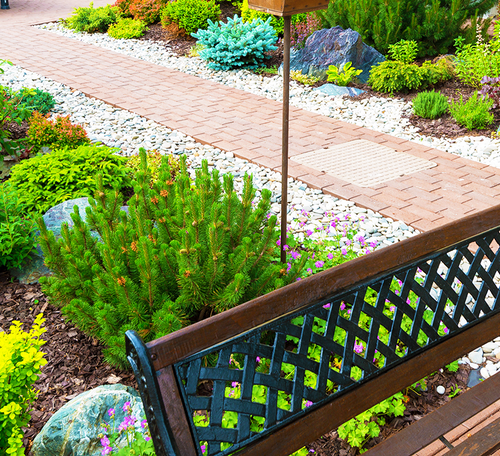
(440,389)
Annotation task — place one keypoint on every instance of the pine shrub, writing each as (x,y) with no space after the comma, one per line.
(190,15)
(430,105)
(183,252)
(127,28)
(57,133)
(91,20)
(236,44)
(47,180)
(36,100)
(473,113)
(434,24)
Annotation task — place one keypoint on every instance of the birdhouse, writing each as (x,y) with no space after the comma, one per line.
(287,7)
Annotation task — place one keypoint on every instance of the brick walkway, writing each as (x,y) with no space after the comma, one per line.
(245,124)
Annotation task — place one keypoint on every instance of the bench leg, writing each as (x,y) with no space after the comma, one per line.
(5,4)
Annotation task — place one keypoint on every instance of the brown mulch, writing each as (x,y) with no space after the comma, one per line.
(75,365)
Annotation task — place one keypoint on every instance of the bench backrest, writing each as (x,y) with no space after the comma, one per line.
(348,338)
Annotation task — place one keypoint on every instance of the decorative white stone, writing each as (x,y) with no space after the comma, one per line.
(476,356)
(440,389)
(484,372)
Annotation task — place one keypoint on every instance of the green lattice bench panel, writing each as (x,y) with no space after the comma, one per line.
(271,368)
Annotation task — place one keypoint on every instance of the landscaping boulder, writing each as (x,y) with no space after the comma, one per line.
(33,267)
(335,90)
(74,429)
(334,46)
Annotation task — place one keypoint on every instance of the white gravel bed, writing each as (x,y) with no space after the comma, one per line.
(380,114)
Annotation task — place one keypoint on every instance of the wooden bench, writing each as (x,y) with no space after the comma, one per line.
(187,373)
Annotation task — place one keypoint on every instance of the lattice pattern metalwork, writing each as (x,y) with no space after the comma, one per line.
(256,382)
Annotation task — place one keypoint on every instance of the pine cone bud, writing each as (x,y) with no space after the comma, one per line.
(133,246)
(162,220)
(187,273)
(121,281)
(163,193)
(154,200)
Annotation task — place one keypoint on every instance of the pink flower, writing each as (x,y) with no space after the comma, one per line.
(344,251)
(309,270)
(330,256)
(105,441)
(342,306)
(295,255)
(309,232)
(257,359)
(319,264)
(111,412)
(203,448)
(308,403)
(327,306)
(144,424)
(126,406)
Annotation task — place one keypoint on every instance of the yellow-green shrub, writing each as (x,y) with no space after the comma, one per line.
(20,364)
(154,161)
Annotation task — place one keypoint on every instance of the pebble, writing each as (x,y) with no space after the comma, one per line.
(484,372)
(376,113)
(440,389)
(476,356)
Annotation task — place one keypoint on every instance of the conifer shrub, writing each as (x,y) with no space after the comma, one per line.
(59,132)
(430,105)
(91,20)
(434,24)
(236,44)
(473,113)
(190,15)
(47,180)
(127,28)
(20,364)
(248,15)
(36,100)
(184,251)
(147,11)
(16,230)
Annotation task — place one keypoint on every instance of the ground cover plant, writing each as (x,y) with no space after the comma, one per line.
(473,113)
(127,28)
(92,19)
(430,105)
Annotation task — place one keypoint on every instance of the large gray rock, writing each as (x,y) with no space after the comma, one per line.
(33,268)
(74,429)
(334,46)
(335,90)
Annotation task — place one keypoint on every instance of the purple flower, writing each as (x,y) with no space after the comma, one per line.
(319,264)
(285,247)
(333,224)
(295,255)
(289,266)
(235,384)
(278,242)
(330,256)
(358,348)
(126,406)
(373,244)
(308,403)
(327,306)
(392,308)
(105,441)
(344,251)
(144,424)
(298,278)
(342,306)
(309,232)
(203,448)
(257,359)
(147,438)
(309,270)
(126,423)
(106,450)
(111,412)
(446,330)
(348,242)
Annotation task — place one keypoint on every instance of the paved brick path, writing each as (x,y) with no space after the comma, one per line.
(246,124)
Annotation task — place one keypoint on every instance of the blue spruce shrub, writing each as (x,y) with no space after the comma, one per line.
(236,44)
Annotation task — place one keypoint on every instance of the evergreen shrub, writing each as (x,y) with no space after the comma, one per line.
(47,180)
(473,113)
(147,11)
(60,132)
(127,28)
(248,15)
(20,364)
(91,20)
(190,15)
(183,252)
(236,44)
(434,24)
(16,230)
(36,100)
(430,105)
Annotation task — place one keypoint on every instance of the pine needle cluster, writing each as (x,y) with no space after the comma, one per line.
(184,251)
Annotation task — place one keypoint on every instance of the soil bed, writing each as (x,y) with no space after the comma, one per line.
(75,365)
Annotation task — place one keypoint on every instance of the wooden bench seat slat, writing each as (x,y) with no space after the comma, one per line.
(441,421)
(482,443)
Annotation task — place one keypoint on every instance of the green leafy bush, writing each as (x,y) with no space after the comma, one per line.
(236,44)
(122,8)
(183,252)
(127,28)
(91,20)
(47,180)
(434,24)
(249,15)
(342,76)
(154,159)
(36,100)
(16,230)
(190,15)
(430,105)
(57,133)
(404,50)
(475,61)
(474,113)
(20,364)
(147,11)
(305,79)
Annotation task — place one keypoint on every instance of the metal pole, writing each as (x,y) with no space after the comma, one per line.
(284,143)
(4,4)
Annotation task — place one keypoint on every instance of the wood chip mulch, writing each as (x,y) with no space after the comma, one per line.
(75,365)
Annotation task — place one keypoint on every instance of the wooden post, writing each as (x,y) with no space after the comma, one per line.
(284,143)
